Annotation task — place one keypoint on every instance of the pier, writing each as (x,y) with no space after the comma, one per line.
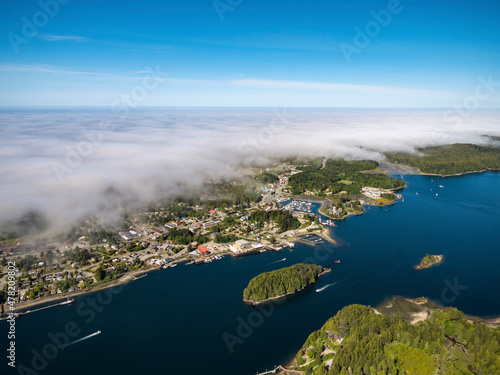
(249,252)
(32,311)
(274,249)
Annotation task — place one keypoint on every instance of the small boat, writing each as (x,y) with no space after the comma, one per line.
(98,332)
(173,265)
(67,302)
(189,263)
(441,186)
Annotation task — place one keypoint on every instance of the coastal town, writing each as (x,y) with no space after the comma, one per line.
(192,233)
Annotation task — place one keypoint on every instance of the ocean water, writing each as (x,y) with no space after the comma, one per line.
(178,321)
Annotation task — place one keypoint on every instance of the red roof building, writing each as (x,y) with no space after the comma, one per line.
(203,249)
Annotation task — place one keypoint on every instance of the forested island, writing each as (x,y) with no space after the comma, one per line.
(360,340)
(453,159)
(429,260)
(282,282)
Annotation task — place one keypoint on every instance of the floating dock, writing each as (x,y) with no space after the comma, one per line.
(311,240)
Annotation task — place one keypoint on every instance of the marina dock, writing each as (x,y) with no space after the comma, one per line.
(311,240)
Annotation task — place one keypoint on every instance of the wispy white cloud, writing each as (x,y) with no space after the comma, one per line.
(63,38)
(37,68)
(43,69)
(304,85)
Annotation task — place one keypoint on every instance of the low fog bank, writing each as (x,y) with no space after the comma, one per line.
(68,164)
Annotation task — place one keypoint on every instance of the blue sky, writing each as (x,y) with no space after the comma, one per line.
(251,53)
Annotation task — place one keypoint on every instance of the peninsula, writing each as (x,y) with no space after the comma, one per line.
(450,160)
(429,260)
(280,283)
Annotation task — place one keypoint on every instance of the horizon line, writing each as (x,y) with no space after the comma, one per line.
(228,106)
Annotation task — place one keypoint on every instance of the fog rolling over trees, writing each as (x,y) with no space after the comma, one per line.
(69,163)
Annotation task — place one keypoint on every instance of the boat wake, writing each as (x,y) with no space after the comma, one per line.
(281,260)
(326,286)
(82,339)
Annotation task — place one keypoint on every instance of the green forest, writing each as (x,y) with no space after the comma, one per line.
(451,159)
(284,219)
(225,194)
(340,175)
(375,344)
(267,178)
(282,281)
